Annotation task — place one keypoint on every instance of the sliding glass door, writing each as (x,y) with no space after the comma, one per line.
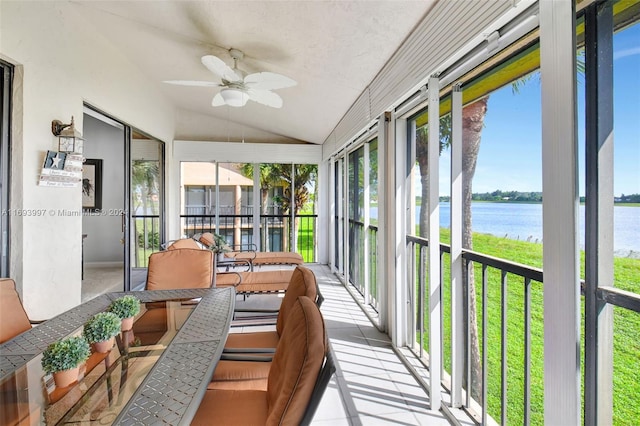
(6,72)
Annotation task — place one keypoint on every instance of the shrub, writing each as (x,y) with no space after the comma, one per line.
(125,307)
(65,354)
(101,327)
(152,240)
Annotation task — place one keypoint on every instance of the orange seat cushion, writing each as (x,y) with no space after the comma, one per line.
(184,243)
(232,408)
(258,339)
(295,367)
(256,282)
(302,283)
(176,269)
(13,317)
(269,257)
(240,375)
(206,239)
(292,377)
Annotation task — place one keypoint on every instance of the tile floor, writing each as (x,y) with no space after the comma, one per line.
(371,385)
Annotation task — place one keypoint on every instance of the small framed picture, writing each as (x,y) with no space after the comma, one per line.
(92,185)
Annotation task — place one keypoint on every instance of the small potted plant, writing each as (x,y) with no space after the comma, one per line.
(63,359)
(125,308)
(220,246)
(101,329)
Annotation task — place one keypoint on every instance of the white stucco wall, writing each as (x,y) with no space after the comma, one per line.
(63,63)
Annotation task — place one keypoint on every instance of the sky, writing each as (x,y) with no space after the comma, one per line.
(510,157)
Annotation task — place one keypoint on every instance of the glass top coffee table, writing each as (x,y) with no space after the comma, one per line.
(155,373)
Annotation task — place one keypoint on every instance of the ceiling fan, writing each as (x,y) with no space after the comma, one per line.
(237,86)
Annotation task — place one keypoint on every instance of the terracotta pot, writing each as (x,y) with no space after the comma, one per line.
(127,324)
(128,337)
(103,347)
(64,378)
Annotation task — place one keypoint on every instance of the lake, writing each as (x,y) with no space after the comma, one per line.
(523,221)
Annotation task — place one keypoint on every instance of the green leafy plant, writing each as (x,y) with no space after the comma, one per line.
(125,307)
(152,240)
(219,244)
(101,327)
(65,354)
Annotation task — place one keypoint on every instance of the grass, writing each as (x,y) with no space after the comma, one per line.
(306,236)
(626,332)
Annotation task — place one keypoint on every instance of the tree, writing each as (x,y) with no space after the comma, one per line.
(145,177)
(269,178)
(303,175)
(273,175)
(472,125)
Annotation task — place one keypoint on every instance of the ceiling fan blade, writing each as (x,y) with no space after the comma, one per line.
(218,67)
(218,100)
(265,97)
(193,83)
(268,81)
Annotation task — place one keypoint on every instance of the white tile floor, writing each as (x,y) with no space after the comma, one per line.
(371,385)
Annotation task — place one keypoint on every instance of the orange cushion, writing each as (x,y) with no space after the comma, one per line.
(270,257)
(295,367)
(240,375)
(292,376)
(232,408)
(258,339)
(13,317)
(206,239)
(176,269)
(184,243)
(255,282)
(303,283)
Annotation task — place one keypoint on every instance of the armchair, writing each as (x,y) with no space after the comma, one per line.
(13,318)
(301,369)
(246,360)
(184,268)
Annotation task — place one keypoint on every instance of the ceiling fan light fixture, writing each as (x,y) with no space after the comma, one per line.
(236,86)
(234,97)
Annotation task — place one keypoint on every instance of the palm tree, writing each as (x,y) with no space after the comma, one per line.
(145,177)
(303,175)
(472,124)
(273,175)
(269,178)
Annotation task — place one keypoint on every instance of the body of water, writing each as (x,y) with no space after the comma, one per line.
(523,221)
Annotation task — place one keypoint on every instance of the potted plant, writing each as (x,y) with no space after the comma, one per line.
(219,246)
(125,308)
(101,330)
(63,359)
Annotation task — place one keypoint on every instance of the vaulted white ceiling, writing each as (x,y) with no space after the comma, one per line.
(333,49)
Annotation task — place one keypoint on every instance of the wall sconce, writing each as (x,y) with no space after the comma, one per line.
(69,139)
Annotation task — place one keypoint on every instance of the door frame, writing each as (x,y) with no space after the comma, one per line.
(126,225)
(6,74)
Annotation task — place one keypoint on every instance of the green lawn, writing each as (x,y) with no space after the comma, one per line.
(626,332)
